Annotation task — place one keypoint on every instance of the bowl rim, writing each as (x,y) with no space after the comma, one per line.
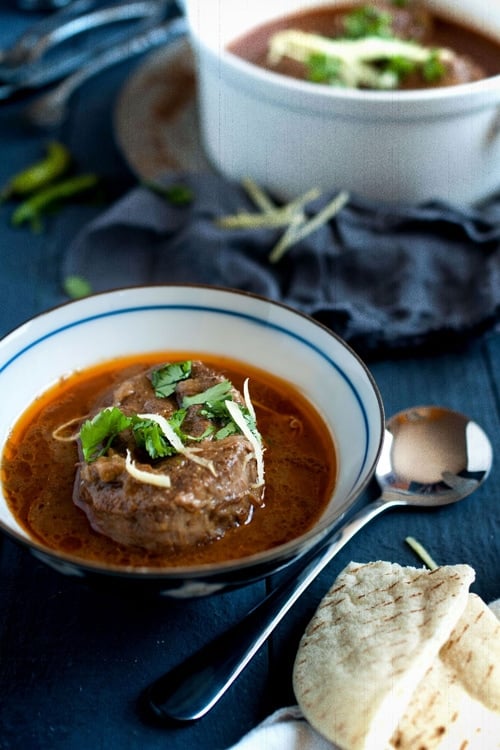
(289,549)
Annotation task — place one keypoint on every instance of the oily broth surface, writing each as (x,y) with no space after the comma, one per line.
(38,472)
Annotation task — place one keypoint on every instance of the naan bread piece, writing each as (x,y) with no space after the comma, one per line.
(457,704)
(473,652)
(373,637)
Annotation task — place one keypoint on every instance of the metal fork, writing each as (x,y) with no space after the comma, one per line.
(50,109)
(20,52)
(27,63)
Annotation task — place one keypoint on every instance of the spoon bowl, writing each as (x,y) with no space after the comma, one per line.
(431,456)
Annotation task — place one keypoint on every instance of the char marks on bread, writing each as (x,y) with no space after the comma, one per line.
(456,705)
(372,640)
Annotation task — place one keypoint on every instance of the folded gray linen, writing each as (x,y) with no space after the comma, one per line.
(384,278)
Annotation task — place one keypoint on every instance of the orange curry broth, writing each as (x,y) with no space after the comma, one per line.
(38,471)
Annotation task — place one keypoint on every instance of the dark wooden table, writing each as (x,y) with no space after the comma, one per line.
(73,660)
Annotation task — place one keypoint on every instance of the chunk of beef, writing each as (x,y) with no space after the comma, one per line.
(411,21)
(200,504)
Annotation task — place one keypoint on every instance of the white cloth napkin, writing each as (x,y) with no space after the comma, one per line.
(286,728)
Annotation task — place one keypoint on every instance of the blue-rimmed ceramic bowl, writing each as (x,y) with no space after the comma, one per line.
(245,327)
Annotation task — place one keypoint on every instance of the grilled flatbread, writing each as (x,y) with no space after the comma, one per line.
(457,704)
(371,641)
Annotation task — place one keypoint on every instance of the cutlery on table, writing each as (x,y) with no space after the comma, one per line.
(430,457)
(39,56)
(50,108)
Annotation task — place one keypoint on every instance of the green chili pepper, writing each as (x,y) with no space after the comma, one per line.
(32,209)
(178,195)
(56,163)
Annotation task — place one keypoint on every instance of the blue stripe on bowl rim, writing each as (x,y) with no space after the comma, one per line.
(218,311)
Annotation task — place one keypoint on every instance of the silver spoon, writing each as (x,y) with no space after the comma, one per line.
(431,456)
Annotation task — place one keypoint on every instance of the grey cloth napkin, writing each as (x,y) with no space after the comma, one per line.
(384,278)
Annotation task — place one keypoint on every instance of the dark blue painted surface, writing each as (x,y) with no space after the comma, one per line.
(73,660)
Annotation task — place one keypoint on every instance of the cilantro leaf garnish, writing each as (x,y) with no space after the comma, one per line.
(252,424)
(230,428)
(160,437)
(216,393)
(323,69)
(367,21)
(98,433)
(176,420)
(166,378)
(149,436)
(433,68)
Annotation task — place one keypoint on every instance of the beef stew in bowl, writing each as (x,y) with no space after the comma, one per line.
(219,496)
(295,367)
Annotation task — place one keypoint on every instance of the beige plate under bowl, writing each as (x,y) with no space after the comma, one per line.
(156,117)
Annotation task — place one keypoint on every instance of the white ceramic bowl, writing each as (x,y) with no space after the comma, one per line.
(291,135)
(201,319)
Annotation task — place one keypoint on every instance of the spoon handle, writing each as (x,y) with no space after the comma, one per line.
(192,688)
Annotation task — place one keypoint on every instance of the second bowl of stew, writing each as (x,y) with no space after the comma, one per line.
(392,101)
